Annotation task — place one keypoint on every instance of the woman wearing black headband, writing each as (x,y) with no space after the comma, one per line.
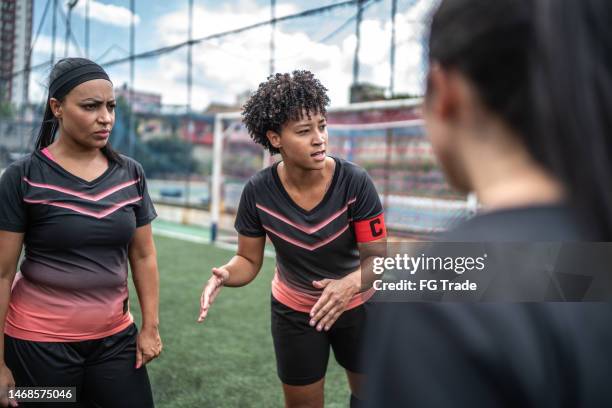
(82,211)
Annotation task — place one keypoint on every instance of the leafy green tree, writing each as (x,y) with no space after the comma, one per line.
(7,111)
(163,157)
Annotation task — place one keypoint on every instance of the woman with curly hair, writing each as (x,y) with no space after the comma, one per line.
(319,212)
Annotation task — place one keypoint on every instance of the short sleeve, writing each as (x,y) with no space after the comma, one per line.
(368,217)
(368,203)
(13,214)
(247,220)
(145,212)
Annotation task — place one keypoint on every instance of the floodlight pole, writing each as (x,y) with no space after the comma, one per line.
(190,126)
(392,53)
(272,34)
(86,28)
(357,44)
(131,88)
(70,5)
(190,57)
(215,205)
(53,32)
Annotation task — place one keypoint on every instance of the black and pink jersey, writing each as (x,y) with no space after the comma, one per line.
(72,284)
(316,244)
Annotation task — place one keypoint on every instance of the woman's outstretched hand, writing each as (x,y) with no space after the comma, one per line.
(211,290)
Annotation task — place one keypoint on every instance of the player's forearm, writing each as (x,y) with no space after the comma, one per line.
(5,296)
(241,271)
(146,280)
(10,249)
(364,277)
(366,273)
(368,252)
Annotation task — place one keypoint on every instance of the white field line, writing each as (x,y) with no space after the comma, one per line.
(199,240)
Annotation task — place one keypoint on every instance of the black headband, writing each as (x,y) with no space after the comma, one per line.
(76,76)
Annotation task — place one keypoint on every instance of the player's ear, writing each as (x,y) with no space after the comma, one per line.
(56,107)
(444,93)
(274,138)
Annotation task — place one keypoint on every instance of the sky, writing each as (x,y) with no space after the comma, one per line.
(226,67)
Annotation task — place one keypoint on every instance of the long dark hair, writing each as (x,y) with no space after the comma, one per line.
(572,85)
(50,124)
(541,67)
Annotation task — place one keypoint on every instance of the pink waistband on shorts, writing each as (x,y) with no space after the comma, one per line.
(303,302)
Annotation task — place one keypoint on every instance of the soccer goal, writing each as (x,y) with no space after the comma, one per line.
(387,138)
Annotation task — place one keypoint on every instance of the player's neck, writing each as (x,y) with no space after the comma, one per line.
(515,183)
(66,149)
(296,178)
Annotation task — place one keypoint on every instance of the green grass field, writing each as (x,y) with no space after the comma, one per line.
(228,361)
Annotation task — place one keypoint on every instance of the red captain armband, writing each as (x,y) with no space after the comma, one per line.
(371,230)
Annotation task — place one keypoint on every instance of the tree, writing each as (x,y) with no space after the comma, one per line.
(163,157)
(7,111)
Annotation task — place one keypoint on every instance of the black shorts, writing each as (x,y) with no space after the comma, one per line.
(102,370)
(302,352)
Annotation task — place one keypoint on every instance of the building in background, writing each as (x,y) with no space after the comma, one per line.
(143,102)
(15,39)
(220,107)
(364,92)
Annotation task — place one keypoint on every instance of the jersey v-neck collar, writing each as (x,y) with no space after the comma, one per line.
(55,165)
(321,203)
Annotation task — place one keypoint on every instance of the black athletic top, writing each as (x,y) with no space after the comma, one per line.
(73,281)
(316,244)
(498,354)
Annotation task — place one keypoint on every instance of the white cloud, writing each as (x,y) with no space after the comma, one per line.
(107,13)
(173,26)
(228,66)
(40,54)
(44,43)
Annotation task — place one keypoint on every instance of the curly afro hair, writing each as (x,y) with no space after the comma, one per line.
(283,97)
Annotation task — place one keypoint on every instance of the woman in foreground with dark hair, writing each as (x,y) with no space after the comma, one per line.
(82,211)
(518,110)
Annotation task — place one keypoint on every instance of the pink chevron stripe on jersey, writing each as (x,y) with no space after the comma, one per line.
(88,197)
(303,228)
(81,210)
(309,247)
